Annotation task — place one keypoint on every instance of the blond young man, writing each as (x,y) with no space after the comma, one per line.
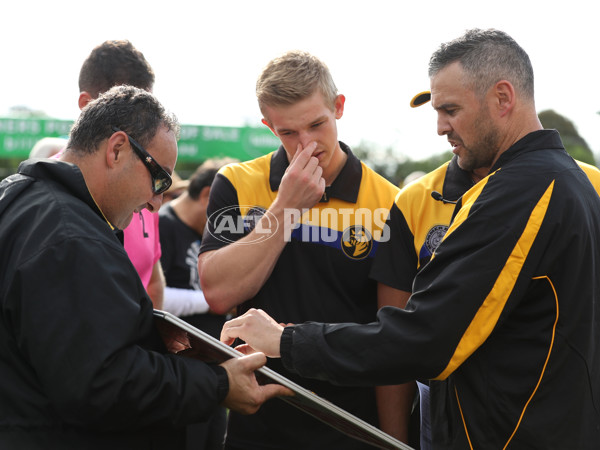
(294,233)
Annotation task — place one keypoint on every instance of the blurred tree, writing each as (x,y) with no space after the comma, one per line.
(576,146)
(384,163)
(396,168)
(387,163)
(423,165)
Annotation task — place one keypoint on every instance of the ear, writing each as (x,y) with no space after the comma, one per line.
(340,100)
(504,97)
(204,194)
(84,99)
(114,149)
(264,121)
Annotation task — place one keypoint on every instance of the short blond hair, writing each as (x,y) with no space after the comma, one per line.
(292,77)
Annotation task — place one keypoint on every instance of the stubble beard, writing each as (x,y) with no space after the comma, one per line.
(483,152)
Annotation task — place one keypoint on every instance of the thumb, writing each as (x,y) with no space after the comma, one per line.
(245,349)
(254,361)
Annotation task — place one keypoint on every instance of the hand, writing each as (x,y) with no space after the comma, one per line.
(302,185)
(245,394)
(257,329)
(247,350)
(175,339)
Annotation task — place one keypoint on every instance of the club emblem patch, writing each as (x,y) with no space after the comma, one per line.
(252,217)
(357,242)
(434,237)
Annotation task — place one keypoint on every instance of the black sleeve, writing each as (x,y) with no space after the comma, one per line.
(395,262)
(165,229)
(93,346)
(480,272)
(223,225)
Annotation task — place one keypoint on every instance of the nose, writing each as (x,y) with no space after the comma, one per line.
(305,139)
(155,203)
(443,126)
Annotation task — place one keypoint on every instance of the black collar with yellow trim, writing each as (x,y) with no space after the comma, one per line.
(456,182)
(345,187)
(459,181)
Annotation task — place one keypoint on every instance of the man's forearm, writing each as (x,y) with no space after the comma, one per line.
(394,405)
(184,302)
(156,286)
(236,272)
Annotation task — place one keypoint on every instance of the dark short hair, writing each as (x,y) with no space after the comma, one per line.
(113,63)
(205,174)
(133,110)
(486,56)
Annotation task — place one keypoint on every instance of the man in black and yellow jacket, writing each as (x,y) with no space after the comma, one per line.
(418,221)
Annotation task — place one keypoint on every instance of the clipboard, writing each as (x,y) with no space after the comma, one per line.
(195,343)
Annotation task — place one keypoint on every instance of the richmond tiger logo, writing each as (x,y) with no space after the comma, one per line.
(357,242)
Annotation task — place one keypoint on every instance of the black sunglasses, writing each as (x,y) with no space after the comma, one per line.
(161,180)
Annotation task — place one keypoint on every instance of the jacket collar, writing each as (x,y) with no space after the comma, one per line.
(456,182)
(536,140)
(66,174)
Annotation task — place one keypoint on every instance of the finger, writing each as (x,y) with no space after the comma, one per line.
(276,390)
(303,155)
(245,349)
(176,347)
(312,165)
(228,334)
(298,151)
(322,185)
(318,173)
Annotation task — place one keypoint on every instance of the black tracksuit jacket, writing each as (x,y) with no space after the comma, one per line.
(505,318)
(81,363)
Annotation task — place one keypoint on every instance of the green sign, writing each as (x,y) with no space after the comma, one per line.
(196,143)
(18,136)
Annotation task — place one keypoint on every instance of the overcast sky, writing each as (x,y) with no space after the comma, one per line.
(207,56)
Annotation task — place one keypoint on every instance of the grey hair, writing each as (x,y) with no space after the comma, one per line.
(133,110)
(486,57)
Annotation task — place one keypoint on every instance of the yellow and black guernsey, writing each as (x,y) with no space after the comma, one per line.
(420,217)
(321,275)
(505,316)
(417,222)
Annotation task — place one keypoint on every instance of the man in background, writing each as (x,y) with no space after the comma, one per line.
(47,147)
(109,64)
(182,223)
